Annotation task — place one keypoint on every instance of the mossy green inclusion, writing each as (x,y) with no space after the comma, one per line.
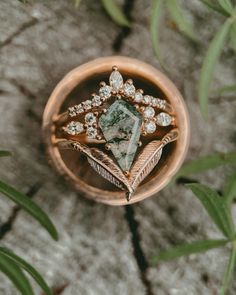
(121,127)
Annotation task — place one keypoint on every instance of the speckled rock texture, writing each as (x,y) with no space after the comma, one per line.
(102,249)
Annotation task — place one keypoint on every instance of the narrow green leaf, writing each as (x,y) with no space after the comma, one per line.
(15,274)
(156,10)
(233,36)
(215,207)
(206,163)
(115,13)
(229,191)
(213,5)
(179,18)
(27,267)
(31,207)
(189,248)
(226,5)
(5,154)
(210,60)
(226,89)
(229,272)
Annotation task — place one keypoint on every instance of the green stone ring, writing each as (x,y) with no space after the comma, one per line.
(121,130)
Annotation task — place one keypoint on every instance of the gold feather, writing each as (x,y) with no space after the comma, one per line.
(148,158)
(105,166)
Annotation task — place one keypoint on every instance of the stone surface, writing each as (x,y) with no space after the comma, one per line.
(99,247)
(121,127)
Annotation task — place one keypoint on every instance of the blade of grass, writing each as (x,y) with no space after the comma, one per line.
(206,163)
(229,272)
(115,13)
(214,6)
(226,5)
(210,60)
(16,275)
(29,206)
(226,89)
(179,18)
(188,248)
(229,190)
(233,36)
(156,10)
(27,267)
(5,154)
(215,207)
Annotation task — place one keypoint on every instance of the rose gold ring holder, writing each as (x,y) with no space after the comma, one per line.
(121,140)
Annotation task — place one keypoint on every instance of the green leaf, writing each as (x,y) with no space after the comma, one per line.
(189,248)
(156,10)
(206,163)
(210,60)
(226,89)
(23,264)
(28,205)
(179,18)
(115,13)
(5,154)
(229,191)
(232,35)
(229,272)
(215,207)
(226,5)
(15,274)
(213,5)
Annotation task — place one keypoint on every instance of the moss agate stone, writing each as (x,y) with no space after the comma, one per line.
(121,127)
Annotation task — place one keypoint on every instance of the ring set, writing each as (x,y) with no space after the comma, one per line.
(121,130)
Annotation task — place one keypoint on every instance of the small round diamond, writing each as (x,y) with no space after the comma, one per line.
(138,97)
(91,132)
(147,99)
(163,119)
(90,118)
(150,127)
(154,102)
(129,89)
(149,112)
(87,104)
(79,108)
(72,112)
(105,91)
(74,128)
(161,103)
(96,101)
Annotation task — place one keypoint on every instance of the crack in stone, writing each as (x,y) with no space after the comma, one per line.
(21,29)
(125,31)
(137,248)
(6,227)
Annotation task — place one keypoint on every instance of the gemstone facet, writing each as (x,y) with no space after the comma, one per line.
(138,97)
(121,127)
(116,80)
(150,127)
(74,128)
(90,118)
(129,89)
(91,132)
(149,112)
(105,91)
(163,119)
